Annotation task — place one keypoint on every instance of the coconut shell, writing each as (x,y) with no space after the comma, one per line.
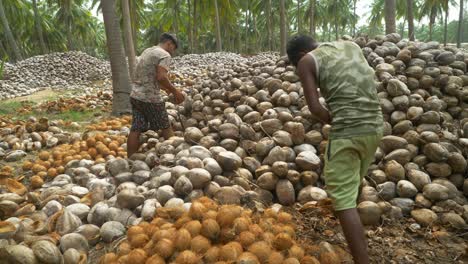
(194,227)
(212,255)
(138,240)
(228,253)
(155,259)
(187,257)
(108,258)
(247,258)
(200,244)
(124,248)
(241,224)
(164,248)
(296,252)
(183,239)
(210,229)
(283,241)
(309,260)
(137,256)
(227,214)
(246,239)
(262,250)
(275,258)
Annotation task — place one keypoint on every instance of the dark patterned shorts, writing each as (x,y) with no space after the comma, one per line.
(148,116)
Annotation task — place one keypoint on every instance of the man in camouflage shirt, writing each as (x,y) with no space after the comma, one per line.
(347,83)
(148,107)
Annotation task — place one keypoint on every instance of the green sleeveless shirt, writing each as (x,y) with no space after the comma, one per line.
(346,82)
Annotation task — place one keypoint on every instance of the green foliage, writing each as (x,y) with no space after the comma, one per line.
(69,24)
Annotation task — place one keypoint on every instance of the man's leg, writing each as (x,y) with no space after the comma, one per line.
(354,233)
(139,125)
(133,143)
(342,177)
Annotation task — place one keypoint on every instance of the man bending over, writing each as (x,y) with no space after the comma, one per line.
(347,83)
(148,107)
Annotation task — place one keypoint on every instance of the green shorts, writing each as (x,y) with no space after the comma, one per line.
(346,163)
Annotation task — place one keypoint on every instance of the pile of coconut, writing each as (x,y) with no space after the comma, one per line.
(55,70)
(206,232)
(18,137)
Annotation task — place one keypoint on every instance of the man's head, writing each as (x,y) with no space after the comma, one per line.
(168,42)
(298,46)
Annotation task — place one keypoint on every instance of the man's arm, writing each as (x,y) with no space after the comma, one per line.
(306,71)
(166,85)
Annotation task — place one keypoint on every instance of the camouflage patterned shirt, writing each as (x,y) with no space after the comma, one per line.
(145,87)
(347,83)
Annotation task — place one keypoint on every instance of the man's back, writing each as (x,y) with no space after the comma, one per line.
(347,83)
(145,88)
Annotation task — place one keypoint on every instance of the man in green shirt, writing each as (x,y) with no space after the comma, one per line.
(346,82)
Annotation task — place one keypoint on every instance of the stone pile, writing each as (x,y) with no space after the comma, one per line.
(249,138)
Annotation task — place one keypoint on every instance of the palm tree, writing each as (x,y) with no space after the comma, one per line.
(37,23)
(431,8)
(9,35)
(460,25)
(129,38)
(410,16)
(312,17)
(269,26)
(446,9)
(218,28)
(283,34)
(120,78)
(390,15)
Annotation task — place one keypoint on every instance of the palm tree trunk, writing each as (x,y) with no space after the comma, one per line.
(133,19)
(3,51)
(410,15)
(120,79)
(37,23)
(128,38)
(282,28)
(460,25)
(445,23)
(336,19)
(195,36)
(218,28)
(69,33)
(432,21)
(189,27)
(390,13)
(269,26)
(9,35)
(247,25)
(402,28)
(256,37)
(354,20)
(298,16)
(176,15)
(312,18)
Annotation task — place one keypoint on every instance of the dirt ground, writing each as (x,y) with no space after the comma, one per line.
(392,242)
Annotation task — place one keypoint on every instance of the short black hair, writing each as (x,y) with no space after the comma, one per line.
(297,44)
(168,37)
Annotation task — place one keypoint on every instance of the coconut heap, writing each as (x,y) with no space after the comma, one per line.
(207,232)
(17,138)
(249,138)
(55,70)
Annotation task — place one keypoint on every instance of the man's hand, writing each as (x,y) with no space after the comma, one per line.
(178,96)
(306,71)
